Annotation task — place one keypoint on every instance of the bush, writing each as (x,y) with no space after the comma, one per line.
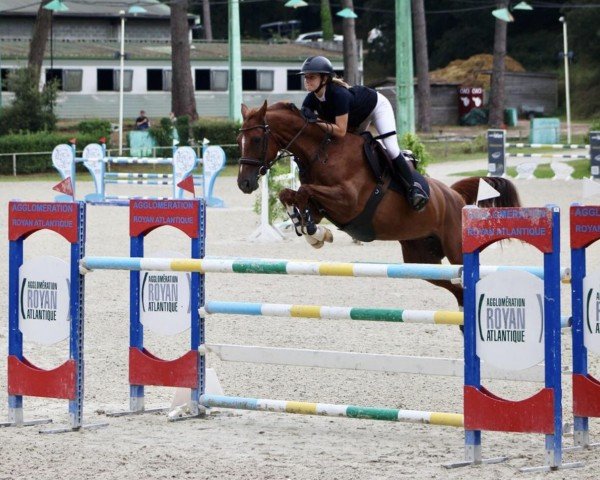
(98,127)
(36,142)
(219,132)
(31,110)
(477,145)
(163,133)
(413,143)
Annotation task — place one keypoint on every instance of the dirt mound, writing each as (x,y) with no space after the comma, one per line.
(470,72)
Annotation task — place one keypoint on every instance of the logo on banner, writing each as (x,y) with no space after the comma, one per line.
(510,320)
(165,299)
(591,312)
(44,300)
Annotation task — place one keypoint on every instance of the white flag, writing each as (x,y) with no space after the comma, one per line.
(590,188)
(485,191)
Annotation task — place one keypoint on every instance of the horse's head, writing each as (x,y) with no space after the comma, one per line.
(258,149)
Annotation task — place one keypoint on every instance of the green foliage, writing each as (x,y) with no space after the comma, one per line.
(326,22)
(219,132)
(182,124)
(477,145)
(163,132)
(594,127)
(39,143)
(31,110)
(413,143)
(98,127)
(277,181)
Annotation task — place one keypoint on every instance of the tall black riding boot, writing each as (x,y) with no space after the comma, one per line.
(417,197)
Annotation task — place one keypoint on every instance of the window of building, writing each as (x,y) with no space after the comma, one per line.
(265,80)
(207,79)
(202,79)
(5,72)
(72,80)
(248,79)
(105,80)
(109,78)
(294,81)
(257,79)
(69,80)
(158,80)
(54,74)
(219,80)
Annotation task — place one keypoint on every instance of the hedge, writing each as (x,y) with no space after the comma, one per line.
(36,142)
(219,132)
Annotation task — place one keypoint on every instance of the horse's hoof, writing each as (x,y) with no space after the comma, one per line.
(328,236)
(317,245)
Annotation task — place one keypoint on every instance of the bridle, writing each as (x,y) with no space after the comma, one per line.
(264,164)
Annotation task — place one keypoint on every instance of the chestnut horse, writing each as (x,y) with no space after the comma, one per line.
(337,183)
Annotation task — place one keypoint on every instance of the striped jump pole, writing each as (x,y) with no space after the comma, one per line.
(292,267)
(350,411)
(555,146)
(427,317)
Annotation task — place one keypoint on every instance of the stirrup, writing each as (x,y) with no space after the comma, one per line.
(417,197)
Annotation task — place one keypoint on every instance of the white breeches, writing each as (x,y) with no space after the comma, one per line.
(384,121)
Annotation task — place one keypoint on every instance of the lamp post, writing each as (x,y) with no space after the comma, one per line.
(134,9)
(121,75)
(405,93)
(563,20)
(235,62)
(54,6)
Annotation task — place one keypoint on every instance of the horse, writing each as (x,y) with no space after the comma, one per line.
(337,183)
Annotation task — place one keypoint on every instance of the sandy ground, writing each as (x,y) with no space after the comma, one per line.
(243,445)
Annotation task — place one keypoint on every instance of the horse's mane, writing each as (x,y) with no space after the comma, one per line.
(283,106)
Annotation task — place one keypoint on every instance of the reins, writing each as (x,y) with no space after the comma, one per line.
(264,164)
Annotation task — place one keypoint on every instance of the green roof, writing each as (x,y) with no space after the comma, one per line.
(18,49)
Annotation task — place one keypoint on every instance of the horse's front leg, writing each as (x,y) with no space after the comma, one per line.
(304,218)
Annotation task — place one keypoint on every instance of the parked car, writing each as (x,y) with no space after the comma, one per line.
(316,37)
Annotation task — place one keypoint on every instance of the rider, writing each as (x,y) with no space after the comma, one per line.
(353,108)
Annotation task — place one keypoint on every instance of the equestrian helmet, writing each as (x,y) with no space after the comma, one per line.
(317,64)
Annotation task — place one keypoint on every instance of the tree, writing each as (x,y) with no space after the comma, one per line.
(422,66)
(31,110)
(183,101)
(39,38)
(207,21)
(496,118)
(351,74)
(326,22)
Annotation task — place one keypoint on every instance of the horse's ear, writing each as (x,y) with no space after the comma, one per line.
(244,110)
(263,109)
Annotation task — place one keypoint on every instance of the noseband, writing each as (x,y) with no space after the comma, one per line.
(264,164)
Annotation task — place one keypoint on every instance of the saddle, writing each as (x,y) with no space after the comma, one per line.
(361,227)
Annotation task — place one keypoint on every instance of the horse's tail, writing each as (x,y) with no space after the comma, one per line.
(509,197)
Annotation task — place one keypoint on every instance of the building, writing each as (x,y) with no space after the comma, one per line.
(83,54)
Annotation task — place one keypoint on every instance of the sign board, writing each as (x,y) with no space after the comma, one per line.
(93,159)
(44,296)
(165,299)
(184,163)
(213,159)
(591,312)
(496,152)
(510,320)
(63,159)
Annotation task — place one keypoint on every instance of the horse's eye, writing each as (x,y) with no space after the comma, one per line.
(256,140)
